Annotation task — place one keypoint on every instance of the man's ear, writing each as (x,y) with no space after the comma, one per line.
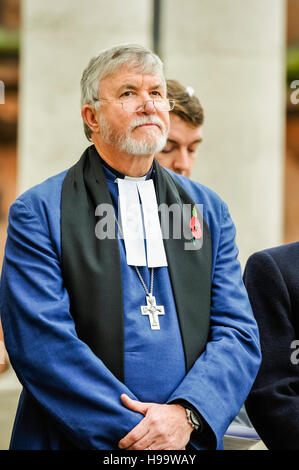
(89,115)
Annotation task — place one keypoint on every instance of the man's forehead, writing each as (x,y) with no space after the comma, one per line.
(132,78)
(184,132)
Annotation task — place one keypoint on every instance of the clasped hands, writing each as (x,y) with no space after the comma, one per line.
(164,427)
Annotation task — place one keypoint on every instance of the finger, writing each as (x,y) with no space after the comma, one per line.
(134,405)
(142,444)
(134,435)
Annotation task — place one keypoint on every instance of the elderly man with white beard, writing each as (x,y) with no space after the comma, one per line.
(142,340)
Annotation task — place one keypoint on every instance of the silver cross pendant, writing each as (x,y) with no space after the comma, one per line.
(153,310)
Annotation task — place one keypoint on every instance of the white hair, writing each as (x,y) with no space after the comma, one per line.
(108,62)
(127,143)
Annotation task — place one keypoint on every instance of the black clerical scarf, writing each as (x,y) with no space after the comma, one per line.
(92,268)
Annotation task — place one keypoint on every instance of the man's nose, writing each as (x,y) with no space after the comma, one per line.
(148,107)
(182,160)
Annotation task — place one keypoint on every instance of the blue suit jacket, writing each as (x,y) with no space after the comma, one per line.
(70,399)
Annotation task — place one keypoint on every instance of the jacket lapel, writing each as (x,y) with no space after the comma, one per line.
(190,270)
(91,267)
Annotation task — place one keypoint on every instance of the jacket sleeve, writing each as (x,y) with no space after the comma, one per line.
(57,369)
(221,378)
(273,404)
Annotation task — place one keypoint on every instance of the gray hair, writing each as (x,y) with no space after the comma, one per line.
(108,62)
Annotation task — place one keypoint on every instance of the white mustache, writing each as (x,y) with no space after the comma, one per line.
(148,120)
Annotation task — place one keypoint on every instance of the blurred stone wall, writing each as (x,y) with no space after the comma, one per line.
(291,194)
(9,76)
(291,175)
(232,53)
(58,40)
(292,20)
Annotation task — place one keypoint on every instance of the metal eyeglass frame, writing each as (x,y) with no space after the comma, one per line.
(170,101)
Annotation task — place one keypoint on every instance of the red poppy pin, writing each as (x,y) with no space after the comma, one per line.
(195,226)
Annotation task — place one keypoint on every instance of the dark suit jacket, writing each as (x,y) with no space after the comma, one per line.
(272,280)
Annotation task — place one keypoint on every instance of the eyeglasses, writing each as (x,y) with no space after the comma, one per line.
(136,104)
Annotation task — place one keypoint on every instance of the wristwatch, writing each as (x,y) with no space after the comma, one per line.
(192,419)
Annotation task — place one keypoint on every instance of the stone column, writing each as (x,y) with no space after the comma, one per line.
(232,53)
(58,39)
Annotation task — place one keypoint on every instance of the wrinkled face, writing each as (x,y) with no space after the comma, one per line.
(180,151)
(140,132)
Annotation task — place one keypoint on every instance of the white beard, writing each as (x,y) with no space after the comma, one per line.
(128,144)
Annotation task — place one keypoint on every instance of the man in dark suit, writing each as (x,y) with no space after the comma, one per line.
(272,280)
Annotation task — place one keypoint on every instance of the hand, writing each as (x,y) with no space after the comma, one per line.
(164,427)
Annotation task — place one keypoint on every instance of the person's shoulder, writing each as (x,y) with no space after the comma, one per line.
(196,190)
(274,270)
(285,251)
(279,253)
(276,263)
(46,193)
(214,209)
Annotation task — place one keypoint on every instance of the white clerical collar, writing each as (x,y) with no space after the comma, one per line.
(138,210)
(133,178)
